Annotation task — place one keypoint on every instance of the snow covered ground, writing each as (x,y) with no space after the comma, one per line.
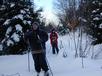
(17,65)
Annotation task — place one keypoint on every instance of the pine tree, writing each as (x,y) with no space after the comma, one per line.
(16,17)
(94,18)
(96,21)
(92,13)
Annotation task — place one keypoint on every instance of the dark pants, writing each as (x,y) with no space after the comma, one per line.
(55,48)
(40,62)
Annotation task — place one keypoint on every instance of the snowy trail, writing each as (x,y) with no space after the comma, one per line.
(60,66)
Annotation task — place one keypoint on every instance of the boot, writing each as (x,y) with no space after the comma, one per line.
(46,74)
(37,74)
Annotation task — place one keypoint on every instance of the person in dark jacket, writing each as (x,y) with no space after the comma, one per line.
(54,41)
(37,39)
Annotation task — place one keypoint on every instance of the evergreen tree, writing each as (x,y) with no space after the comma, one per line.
(16,17)
(96,21)
(91,11)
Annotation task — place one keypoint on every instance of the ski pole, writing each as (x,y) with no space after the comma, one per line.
(28,60)
(49,66)
(28,50)
(49,49)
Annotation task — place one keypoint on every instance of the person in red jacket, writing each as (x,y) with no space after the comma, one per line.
(54,41)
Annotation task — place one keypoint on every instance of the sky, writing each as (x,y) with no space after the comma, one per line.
(48,10)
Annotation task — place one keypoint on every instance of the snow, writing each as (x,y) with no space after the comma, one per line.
(100,26)
(96,18)
(27,10)
(12,5)
(27,16)
(18,16)
(100,4)
(24,21)
(9,42)
(101,13)
(18,27)
(23,12)
(94,11)
(8,30)
(17,65)
(2,7)
(98,9)
(15,37)
(84,20)
(29,22)
(3,40)
(98,54)
(1,47)
(7,22)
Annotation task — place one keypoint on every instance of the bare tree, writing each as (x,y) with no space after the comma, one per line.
(66,11)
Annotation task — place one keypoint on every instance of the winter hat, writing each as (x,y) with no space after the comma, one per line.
(35,25)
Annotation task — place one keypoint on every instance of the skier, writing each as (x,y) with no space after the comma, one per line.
(37,38)
(54,41)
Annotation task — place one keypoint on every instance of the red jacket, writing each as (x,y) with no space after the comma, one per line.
(53,37)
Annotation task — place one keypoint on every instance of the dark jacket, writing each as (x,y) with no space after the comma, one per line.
(43,37)
(36,39)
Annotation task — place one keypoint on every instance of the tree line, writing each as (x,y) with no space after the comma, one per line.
(84,14)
